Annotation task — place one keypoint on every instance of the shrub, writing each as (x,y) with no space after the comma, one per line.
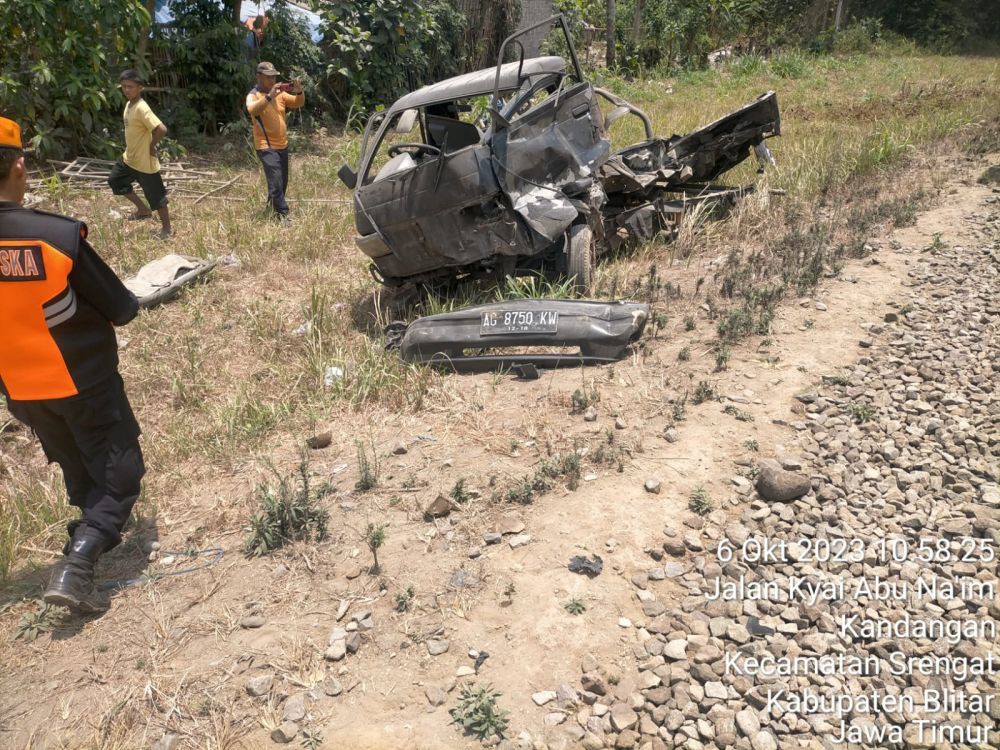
(703,392)
(208,57)
(287,513)
(375,538)
(367,469)
(747,66)
(58,62)
(700,502)
(478,713)
(404,599)
(380,49)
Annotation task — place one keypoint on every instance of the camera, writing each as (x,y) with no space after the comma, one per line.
(285,86)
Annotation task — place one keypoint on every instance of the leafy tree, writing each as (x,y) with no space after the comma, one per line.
(209,59)
(379,49)
(947,24)
(58,70)
(289,45)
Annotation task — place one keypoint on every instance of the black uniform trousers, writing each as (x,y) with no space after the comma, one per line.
(275,161)
(94,437)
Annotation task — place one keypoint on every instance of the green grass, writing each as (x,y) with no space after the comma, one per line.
(32,507)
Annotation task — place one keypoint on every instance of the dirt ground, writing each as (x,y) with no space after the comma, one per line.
(171,656)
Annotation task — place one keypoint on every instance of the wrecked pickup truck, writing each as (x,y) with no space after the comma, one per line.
(451,185)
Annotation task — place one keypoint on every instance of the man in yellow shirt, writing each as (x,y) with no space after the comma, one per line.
(267,103)
(143,130)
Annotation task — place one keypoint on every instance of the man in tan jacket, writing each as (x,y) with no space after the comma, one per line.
(266,104)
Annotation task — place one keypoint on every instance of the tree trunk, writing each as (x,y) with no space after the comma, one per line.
(610,35)
(234,6)
(840,11)
(140,53)
(637,22)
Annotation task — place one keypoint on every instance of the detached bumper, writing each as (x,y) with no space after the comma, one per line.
(585,332)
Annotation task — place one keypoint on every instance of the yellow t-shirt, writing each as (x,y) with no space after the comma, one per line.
(140,122)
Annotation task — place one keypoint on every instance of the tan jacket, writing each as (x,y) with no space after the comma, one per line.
(269,129)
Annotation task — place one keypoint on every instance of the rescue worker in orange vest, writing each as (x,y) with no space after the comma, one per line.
(59,304)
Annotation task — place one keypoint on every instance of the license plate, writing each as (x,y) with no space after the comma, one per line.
(519,321)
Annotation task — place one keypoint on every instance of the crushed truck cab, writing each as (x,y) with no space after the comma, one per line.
(509,170)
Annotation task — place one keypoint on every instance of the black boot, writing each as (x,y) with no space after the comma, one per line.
(72,582)
(71,528)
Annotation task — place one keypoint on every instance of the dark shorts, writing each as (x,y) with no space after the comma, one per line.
(123,177)
(94,437)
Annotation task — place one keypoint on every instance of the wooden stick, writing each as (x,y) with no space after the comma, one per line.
(321,200)
(215,190)
(214,197)
(200,173)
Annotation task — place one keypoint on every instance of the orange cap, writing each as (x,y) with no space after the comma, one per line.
(10,134)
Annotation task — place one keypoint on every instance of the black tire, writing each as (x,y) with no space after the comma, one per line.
(580,256)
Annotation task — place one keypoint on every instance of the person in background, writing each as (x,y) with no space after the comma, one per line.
(59,304)
(267,103)
(143,130)
(257,25)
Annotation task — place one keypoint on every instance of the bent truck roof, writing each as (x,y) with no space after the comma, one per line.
(478,83)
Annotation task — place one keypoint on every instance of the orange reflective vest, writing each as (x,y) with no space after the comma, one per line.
(55,339)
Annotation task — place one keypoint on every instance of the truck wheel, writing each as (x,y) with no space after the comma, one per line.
(580,256)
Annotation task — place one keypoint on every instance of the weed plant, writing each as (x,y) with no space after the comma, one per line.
(700,502)
(289,512)
(478,714)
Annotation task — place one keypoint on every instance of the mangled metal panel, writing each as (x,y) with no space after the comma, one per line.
(599,331)
(481,82)
(549,156)
(699,156)
(639,179)
(446,212)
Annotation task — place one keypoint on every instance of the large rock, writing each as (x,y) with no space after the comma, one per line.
(437,646)
(779,486)
(676,649)
(593,682)
(294,709)
(763,741)
(623,717)
(285,733)
(260,686)
(336,651)
(748,722)
(439,506)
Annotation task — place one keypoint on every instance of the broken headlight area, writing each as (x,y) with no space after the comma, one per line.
(541,332)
